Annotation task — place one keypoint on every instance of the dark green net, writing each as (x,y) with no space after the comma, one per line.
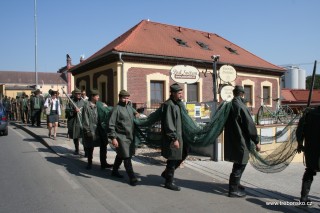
(204,135)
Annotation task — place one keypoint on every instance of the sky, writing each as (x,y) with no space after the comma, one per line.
(282,32)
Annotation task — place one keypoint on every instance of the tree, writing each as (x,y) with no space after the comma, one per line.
(316,82)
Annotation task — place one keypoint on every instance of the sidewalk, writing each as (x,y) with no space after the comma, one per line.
(282,186)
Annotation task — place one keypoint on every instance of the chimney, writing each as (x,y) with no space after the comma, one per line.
(81,58)
(69,65)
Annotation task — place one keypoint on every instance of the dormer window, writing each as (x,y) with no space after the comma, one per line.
(181,42)
(203,45)
(231,50)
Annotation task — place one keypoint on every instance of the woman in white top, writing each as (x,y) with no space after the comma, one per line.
(55,112)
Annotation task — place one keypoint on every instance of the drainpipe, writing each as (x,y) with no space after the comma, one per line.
(122,70)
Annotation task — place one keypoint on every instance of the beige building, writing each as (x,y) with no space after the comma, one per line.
(15,83)
(140,61)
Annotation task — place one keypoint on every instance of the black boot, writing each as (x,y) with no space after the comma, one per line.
(305,189)
(89,165)
(169,180)
(234,190)
(129,170)
(116,165)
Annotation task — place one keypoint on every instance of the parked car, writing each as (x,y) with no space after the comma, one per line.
(3,120)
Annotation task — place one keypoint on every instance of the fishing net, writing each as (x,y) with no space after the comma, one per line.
(203,135)
(279,158)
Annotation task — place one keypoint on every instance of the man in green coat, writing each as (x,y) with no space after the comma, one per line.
(308,134)
(173,148)
(36,104)
(239,131)
(73,114)
(93,133)
(121,132)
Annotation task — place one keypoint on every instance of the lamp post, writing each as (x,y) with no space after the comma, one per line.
(35,43)
(215,59)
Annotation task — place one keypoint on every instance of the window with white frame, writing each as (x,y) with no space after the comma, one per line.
(193,92)
(248,94)
(266,95)
(156,93)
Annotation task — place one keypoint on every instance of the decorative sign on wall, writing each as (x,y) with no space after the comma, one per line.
(227,73)
(184,74)
(226,92)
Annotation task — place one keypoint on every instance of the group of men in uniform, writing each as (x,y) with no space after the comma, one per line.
(89,121)
(24,108)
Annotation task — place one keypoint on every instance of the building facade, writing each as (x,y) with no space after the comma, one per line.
(140,61)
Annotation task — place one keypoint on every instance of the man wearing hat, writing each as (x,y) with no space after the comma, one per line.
(121,132)
(93,133)
(73,113)
(173,148)
(36,105)
(239,131)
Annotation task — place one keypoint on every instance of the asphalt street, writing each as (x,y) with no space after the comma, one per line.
(39,174)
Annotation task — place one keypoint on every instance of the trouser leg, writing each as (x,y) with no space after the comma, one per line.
(185,152)
(306,184)
(103,155)
(129,169)
(76,146)
(38,117)
(116,166)
(169,175)
(90,156)
(33,114)
(234,180)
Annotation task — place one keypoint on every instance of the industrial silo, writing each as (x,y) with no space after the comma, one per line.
(292,78)
(302,79)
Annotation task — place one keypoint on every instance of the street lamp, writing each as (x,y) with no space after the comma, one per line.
(35,43)
(215,59)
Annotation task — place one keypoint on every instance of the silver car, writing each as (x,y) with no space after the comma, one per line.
(3,121)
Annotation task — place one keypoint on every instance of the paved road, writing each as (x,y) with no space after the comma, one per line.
(61,180)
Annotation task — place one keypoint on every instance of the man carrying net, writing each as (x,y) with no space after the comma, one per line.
(239,131)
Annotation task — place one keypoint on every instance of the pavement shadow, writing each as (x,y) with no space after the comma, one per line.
(197,185)
(76,166)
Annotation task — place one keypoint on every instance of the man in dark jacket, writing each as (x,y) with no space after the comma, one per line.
(73,113)
(36,104)
(308,131)
(93,134)
(173,148)
(121,133)
(239,131)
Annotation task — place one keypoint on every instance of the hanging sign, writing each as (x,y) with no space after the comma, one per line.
(227,73)
(226,93)
(185,74)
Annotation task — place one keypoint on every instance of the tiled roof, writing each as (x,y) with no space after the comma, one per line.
(299,95)
(15,77)
(156,39)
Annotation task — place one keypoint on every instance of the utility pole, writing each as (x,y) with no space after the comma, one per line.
(215,59)
(36,43)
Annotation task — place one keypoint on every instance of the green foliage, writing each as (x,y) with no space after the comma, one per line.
(316,82)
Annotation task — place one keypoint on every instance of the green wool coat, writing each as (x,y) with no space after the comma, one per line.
(74,121)
(308,131)
(239,131)
(90,125)
(121,127)
(171,128)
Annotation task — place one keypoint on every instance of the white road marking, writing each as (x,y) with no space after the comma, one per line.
(67,178)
